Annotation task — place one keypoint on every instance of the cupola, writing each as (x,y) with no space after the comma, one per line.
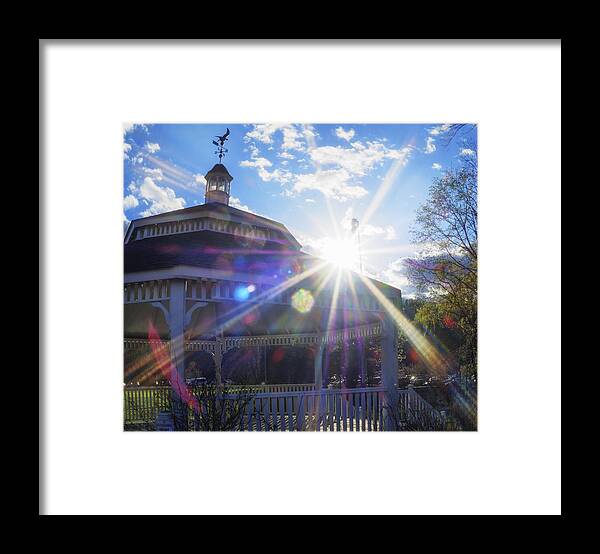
(218,183)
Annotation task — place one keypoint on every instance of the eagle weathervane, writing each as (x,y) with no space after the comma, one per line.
(221,150)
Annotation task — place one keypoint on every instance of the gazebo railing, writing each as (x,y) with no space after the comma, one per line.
(370,330)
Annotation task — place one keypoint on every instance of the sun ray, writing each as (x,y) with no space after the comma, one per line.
(350,281)
(430,355)
(132,368)
(334,299)
(385,185)
(323,283)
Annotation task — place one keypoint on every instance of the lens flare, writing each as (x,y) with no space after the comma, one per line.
(241,293)
(278,355)
(303,301)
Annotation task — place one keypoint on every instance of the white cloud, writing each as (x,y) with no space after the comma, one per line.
(430,146)
(261,164)
(467,152)
(393,278)
(155,173)
(130,202)
(345,135)
(200,179)
(152,147)
(236,203)
(262,132)
(440,129)
(310,200)
(436,166)
(159,199)
(278,175)
(395,275)
(128,127)
(126,148)
(332,183)
(335,166)
(293,137)
(390,233)
(367,230)
(309,131)
(359,159)
(256,162)
(338,182)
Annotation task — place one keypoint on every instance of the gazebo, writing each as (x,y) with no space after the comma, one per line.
(214,278)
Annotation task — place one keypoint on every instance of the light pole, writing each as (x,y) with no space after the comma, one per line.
(354,225)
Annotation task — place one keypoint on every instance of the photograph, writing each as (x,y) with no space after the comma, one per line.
(300,276)
(246,244)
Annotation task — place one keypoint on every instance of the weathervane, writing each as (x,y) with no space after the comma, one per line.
(221,150)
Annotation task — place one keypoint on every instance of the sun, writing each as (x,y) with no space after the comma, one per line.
(342,253)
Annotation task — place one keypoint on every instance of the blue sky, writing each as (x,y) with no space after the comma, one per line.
(312,178)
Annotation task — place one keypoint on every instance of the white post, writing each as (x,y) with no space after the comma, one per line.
(389,370)
(177,328)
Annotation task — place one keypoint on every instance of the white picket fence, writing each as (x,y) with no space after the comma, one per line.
(325,410)
(298,408)
(360,409)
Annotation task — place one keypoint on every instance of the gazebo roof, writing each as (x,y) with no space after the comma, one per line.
(213,250)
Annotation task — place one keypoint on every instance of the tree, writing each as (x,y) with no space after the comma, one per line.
(455,130)
(446,272)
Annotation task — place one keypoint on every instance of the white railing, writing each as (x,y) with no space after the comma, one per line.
(295,339)
(323,410)
(298,407)
(146,291)
(204,223)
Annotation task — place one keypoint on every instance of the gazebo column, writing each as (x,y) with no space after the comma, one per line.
(389,370)
(177,328)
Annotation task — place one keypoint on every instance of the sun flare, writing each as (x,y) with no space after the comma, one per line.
(342,253)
